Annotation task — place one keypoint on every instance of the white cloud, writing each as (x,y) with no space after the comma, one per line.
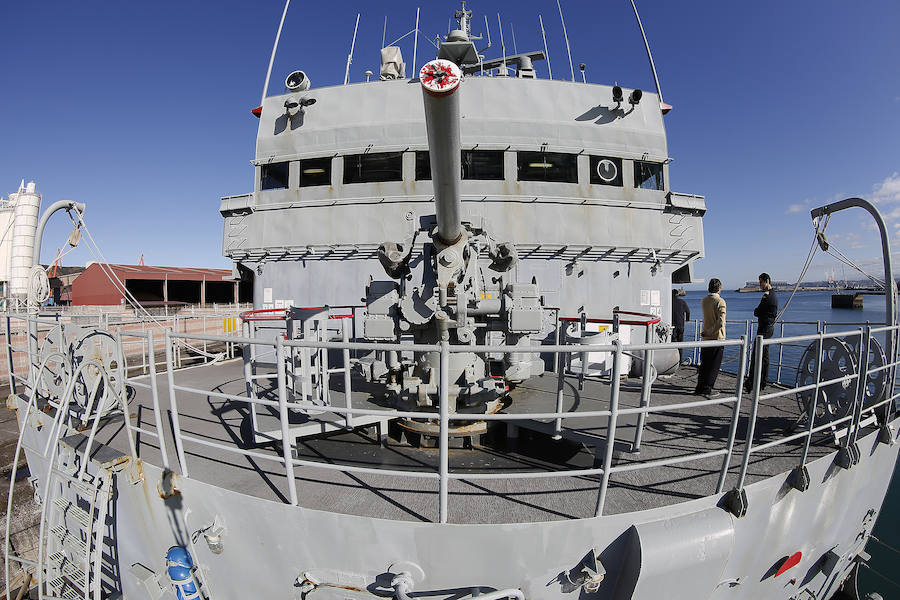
(794,208)
(888,190)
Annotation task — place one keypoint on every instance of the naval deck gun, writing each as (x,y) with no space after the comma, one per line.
(463,291)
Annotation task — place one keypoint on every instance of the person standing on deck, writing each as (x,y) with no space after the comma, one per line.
(681,312)
(765,313)
(713,329)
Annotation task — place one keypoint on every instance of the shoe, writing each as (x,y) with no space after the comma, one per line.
(699,392)
(712,394)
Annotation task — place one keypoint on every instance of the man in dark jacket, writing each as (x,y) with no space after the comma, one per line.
(680,313)
(765,314)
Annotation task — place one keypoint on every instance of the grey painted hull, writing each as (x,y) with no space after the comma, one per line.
(691,550)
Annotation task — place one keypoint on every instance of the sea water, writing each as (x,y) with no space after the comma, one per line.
(809,308)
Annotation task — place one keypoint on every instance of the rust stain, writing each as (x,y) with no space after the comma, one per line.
(167,486)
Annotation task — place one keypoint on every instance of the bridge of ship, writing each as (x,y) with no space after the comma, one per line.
(567,444)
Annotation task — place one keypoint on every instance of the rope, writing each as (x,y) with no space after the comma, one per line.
(885,577)
(886,545)
(809,258)
(114,279)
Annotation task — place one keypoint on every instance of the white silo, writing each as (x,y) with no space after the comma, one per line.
(28,206)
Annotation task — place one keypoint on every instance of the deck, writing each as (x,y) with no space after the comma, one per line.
(530,448)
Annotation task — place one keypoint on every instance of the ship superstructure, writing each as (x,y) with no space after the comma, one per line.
(457,380)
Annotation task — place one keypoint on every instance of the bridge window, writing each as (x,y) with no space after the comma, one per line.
(423,166)
(648,175)
(606,170)
(547,166)
(315,171)
(482,164)
(373,167)
(274,176)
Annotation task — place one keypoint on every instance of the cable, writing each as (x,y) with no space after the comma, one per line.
(809,258)
(885,577)
(114,279)
(886,545)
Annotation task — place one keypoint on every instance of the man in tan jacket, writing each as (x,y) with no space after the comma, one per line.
(713,329)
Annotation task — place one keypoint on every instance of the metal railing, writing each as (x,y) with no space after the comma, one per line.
(613,412)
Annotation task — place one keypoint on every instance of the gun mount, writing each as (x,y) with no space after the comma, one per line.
(462,291)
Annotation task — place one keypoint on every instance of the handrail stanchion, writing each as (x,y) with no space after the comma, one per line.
(122,372)
(556,335)
(444,381)
(154,392)
(754,408)
(780,356)
(814,403)
(696,358)
(610,427)
(584,355)
(176,427)
(9,357)
(862,381)
(560,389)
(348,400)
(645,391)
(286,441)
(735,415)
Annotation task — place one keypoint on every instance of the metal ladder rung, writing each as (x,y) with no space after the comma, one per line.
(83,488)
(72,510)
(67,567)
(75,544)
(66,590)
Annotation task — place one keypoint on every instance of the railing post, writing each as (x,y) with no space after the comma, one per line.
(736,501)
(850,451)
(610,443)
(176,427)
(560,388)
(696,359)
(348,400)
(154,392)
(735,414)
(9,357)
(286,441)
(444,467)
(556,337)
(646,385)
(584,355)
(122,372)
(780,356)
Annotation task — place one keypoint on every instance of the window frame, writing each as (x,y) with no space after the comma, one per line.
(361,176)
(264,176)
(526,158)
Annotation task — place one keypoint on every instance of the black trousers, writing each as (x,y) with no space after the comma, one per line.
(678,336)
(765,366)
(710,362)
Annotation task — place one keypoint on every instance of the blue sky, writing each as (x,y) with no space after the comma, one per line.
(141,110)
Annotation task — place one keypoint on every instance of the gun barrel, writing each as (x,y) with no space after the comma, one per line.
(440,81)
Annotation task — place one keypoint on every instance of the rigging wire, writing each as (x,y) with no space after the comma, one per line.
(885,577)
(117,283)
(809,258)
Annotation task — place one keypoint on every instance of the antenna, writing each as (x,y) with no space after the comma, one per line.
(546,52)
(513,32)
(649,56)
(416,45)
(569,50)
(384,31)
(502,45)
(350,56)
(274,49)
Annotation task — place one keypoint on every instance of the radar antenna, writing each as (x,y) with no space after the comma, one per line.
(463,16)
